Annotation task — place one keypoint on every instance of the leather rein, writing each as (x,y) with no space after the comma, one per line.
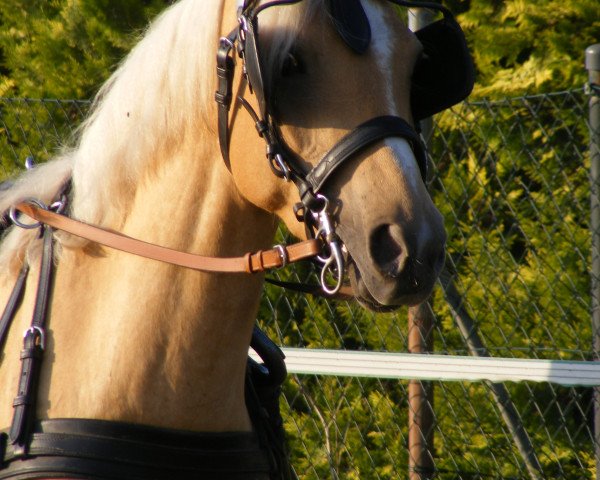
(277,257)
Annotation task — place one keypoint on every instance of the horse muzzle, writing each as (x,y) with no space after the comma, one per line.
(399,267)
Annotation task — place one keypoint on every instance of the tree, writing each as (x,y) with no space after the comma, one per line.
(531,46)
(66,48)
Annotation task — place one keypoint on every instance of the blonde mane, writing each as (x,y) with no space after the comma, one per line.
(159,95)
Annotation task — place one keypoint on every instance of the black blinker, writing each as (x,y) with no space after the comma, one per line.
(351,23)
(445,75)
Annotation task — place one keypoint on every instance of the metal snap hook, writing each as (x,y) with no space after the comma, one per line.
(334,266)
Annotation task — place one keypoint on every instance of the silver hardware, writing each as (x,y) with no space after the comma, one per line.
(243,21)
(227,42)
(14,215)
(283,255)
(336,260)
(39,332)
(58,206)
(29,163)
(283,167)
(333,265)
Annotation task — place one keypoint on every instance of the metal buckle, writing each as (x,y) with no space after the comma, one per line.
(37,332)
(243,21)
(285,259)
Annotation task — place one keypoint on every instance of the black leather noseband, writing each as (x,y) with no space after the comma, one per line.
(366,134)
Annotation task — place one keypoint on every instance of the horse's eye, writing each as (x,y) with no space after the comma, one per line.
(292,65)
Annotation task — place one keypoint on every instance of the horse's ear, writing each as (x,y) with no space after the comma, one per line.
(351,22)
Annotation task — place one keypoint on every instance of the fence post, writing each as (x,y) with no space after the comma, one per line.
(420,340)
(592,64)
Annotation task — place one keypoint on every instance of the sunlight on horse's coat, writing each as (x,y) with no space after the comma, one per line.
(148,164)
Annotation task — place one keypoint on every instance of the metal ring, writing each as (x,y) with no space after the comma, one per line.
(14,215)
(227,42)
(320,196)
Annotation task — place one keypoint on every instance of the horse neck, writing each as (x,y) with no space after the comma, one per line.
(143,325)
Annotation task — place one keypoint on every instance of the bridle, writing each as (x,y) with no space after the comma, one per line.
(313,206)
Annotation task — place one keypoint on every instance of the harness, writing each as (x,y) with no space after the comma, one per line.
(110,450)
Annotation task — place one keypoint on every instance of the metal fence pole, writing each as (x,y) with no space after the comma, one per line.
(499,391)
(592,64)
(420,340)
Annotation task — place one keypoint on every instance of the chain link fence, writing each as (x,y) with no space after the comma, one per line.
(511,179)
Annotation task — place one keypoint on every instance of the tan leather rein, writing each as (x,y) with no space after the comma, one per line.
(277,257)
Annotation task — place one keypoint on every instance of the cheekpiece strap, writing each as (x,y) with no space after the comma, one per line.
(223,96)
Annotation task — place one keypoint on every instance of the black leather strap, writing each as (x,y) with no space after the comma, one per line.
(362,136)
(32,353)
(223,95)
(253,65)
(14,301)
(99,449)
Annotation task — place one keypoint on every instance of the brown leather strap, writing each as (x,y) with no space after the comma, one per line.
(249,263)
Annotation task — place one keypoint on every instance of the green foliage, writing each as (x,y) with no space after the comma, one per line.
(529,47)
(35,128)
(66,48)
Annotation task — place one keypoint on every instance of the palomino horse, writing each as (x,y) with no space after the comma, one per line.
(127,359)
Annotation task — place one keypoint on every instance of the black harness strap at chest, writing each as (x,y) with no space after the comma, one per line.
(98,449)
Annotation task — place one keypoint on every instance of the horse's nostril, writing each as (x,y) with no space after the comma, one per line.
(388,249)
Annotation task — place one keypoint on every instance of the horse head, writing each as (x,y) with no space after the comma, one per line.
(332,90)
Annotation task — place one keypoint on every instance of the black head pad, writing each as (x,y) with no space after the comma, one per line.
(351,23)
(254,69)
(445,74)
